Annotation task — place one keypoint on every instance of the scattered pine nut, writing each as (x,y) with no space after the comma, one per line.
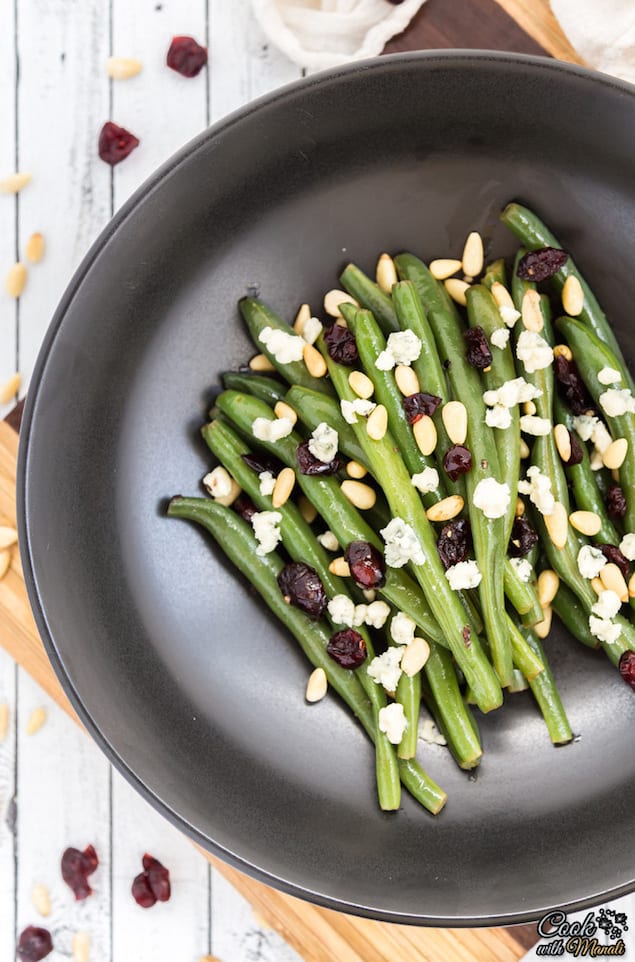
(356,470)
(316,686)
(260,362)
(359,494)
(228,499)
(563,350)
(15,281)
(81,947)
(10,388)
(444,267)
(586,522)
(425,434)
(36,720)
(597,586)
(5,562)
(369,595)
(548,584)
(41,900)
(283,410)
(14,182)
(341,322)
(563,441)
(501,295)
(8,537)
(572,296)
(615,474)
(529,408)
(307,509)
(456,289)
(377,423)
(339,566)
(122,68)
(519,510)
(557,524)
(386,273)
(4,721)
(334,298)
(524,449)
(543,627)
(415,656)
(472,260)
(315,363)
(283,487)
(531,312)
(361,384)
(34,249)
(406,380)
(614,455)
(613,580)
(631,586)
(446,509)
(454,415)
(301,318)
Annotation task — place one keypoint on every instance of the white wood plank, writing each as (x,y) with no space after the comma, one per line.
(7,791)
(8,307)
(63,800)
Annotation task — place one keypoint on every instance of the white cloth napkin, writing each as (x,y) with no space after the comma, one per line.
(602,32)
(325,33)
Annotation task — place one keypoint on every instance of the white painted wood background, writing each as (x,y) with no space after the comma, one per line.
(56,789)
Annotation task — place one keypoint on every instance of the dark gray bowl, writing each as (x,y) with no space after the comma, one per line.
(183,679)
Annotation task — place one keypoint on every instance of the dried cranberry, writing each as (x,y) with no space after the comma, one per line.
(627,669)
(309,464)
(457,461)
(541,264)
(141,891)
(260,461)
(341,345)
(76,867)
(301,584)
(34,944)
(523,538)
(367,564)
(615,502)
(454,542)
(478,352)
(158,878)
(615,556)
(576,456)
(570,384)
(347,648)
(115,143)
(420,404)
(245,507)
(186,56)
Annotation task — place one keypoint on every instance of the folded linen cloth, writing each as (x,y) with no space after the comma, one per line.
(602,32)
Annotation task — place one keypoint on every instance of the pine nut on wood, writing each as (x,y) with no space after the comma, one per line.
(377,423)
(548,584)
(34,249)
(356,470)
(317,686)
(425,434)
(386,273)
(5,562)
(501,295)
(613,580)
(415,656)
(586,522)
(8,537)
(41,900)
(614,455)
(283,410)
(36,720)
(530,311)
(472,261)
(454,415)
(456,289)
(260,362)
(572,296)
(307,509)
(563,441)
(339,566)
(359,494)
(557,525)
(15,182)
(543,627)
(334,298)
(563,350)
(122,68)
(361,384)
(81,947)
(4,721)
(301,318)
(15,281)
(283,487)
(406,380)
(315,363)
(10,388)
(446,509)
(444,267)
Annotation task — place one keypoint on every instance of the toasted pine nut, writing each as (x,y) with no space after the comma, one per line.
(444,267)
(406,380)
(5,562)
(543,627)
(361,384)
(8,537)
(359,494)
(34,249)
(548,584)
(425,434)
(501,295)
(228,499)
(386,273)
(307,509)
(334,298)
(563,350)
(530,311)
(415,656)
(519,510)
(631,586)
(613,580)
(4,721)
(524,449)
(563,441)
(586,522)
(301,318)
(10,388)
(260,362)
(283,487)
(529,408)
(456,289)
(14,183)
(283,410)
(557,524)
(315,363)
(572,296)
(41,900)
(81,947)
(339,566)
(356,470)
(446,509)
(597,586)
(36,720)
(369,595)
(614,455)
(15,281)
(615,474)
(122,68)
(473,254)
(316,686)
(341,322)
(454,415)
(377,423)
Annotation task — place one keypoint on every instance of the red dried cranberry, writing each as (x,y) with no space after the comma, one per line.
(309,464)
(457,461)
(76,867)
(115,143)
(34,944)
(301,584)
(341,345)
(615,502)
(523,538)
(615,556)
(576,456)
(141,891)
(570,384)
(260,461)
(454,542)
(420,404)
(367,564)
(627,668)
(245,507)
(158,878)
(347,648)
(478,352)
(541,264)
(186,56)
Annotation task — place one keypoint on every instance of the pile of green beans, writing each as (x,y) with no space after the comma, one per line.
(478,643)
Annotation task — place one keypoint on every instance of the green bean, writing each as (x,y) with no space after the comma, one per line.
(266,388)
(454,719)
(573,615)
(408,695)
(522,595)
(495,274)
(314,408)
(545,691)
(370,296)
(526,658)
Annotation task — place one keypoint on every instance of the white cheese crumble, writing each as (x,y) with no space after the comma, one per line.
(284,347)
(323,443)
(266,430)
(402,347)
(267,482)
(392,722)
(386,669)
(508,314)
(492,497)
(538,487)
(523,568)
(377,613)
(329,541)
(608,375)
(604,629)
(218,482)
(402,544)
(402,628)
(428,732)
(627,546)
(590,561)
(584,425)
(465,574)
(532,424)
(311,330)
(498,417)
(533,351)
(266,525)
(607,605)
(511,393)
(601,437)
(342,610)
(617,401)
(500,337)
(426,480)
(350,409)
